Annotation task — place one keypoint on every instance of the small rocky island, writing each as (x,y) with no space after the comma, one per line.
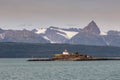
(66,56)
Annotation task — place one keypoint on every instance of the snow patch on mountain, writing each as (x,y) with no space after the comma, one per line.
(103,33)
(2,36)
(63,35)
(45,37)
(41,31)
(69,34)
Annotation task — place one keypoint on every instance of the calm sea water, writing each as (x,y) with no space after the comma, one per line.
(20,69)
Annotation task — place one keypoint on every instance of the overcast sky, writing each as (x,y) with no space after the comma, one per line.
(17,14)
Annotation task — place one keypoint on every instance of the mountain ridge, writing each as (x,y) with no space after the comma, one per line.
(89,35)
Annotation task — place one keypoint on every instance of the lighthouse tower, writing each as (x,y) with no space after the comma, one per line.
(65,52)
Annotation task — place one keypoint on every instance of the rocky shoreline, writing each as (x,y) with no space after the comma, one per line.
(66,56)
(54,59)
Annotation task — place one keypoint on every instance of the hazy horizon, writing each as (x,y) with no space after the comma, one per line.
(30,14)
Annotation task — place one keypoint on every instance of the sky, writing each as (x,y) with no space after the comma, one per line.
(30,14)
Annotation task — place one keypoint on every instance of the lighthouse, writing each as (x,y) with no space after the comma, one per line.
(65,52)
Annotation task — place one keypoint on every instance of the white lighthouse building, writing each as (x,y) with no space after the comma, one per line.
(65,52)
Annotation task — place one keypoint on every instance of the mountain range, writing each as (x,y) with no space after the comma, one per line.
(89,35)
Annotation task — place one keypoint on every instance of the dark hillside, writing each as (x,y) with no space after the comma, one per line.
(24,50)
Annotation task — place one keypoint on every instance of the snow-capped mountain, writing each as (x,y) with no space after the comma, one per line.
(57,35)
(90,35)
(21,36)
